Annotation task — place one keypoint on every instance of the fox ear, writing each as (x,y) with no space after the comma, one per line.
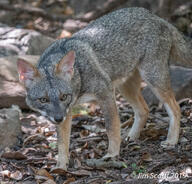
(65,66)
(27,72)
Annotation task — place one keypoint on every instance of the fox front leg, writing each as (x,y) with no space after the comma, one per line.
(112,123)
(63,136)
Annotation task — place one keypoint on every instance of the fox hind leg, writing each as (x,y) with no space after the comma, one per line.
(173,110)
(156,74)
(131,90)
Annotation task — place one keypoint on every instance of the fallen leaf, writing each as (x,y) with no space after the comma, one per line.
(59,171)
(146,157)
(14,155)
(69,180)
(44,172)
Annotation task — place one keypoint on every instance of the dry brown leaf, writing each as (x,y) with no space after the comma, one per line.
(14,155)
(69,180)
(58,171)
(44,172)
(146,157)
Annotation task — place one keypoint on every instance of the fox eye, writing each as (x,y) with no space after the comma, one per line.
(63,97)
(43,100)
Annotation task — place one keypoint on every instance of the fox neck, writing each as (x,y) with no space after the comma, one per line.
(76,84)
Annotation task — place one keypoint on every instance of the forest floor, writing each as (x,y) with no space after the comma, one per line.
(144,161)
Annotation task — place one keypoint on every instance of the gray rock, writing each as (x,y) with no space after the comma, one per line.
(181,81)
(11,91)
(15,41)
(10,127)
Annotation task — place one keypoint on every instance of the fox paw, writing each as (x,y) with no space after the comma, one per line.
(167,144)
(109,156)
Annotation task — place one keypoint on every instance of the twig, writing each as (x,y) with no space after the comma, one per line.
(95,138)
(128,123)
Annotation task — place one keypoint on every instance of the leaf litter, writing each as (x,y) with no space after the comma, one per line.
(34,159)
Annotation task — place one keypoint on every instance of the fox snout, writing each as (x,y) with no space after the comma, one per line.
(58,118)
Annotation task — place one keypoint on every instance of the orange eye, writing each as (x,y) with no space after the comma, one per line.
(43,100)
(63,97)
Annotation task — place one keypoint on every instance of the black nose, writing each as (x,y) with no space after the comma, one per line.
(58,119)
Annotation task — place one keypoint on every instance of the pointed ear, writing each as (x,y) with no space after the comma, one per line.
(65,66)
(27,72)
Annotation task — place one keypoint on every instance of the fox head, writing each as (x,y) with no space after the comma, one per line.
(49,92)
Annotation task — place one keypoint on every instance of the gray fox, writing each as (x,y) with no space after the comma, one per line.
(117,50)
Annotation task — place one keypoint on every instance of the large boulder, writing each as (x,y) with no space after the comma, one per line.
(15,41)
(11,91)
(181,81)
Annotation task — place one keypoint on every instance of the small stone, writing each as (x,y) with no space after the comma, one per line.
(10,128)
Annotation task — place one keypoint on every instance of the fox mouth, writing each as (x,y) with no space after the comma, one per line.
(43,113)
(52,119)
